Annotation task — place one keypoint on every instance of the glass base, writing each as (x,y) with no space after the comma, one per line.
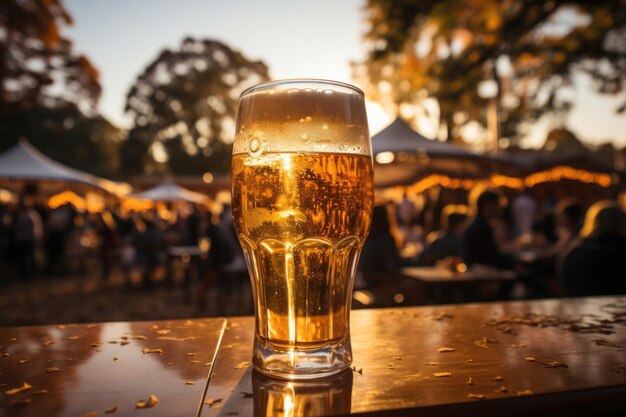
(298,364)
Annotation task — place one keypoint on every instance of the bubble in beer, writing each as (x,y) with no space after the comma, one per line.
(255,146)
(305,137)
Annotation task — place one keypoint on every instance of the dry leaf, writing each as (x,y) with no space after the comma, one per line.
(23,361)
(551,364)
(211,402)
(243,365)
(26,386)
(148,350)
(52,369)
(469,360)
(175,339)
(441,374)
(115,358)
(524,393)
(47,342)
(191,354)
(95,344)
(163,332)
(150,402)
(124,342)
(476,396)
(498,378)
(72,338)
(139,337)
(445,349)
(111,410)
(502,389)
(190,382)
(470,381)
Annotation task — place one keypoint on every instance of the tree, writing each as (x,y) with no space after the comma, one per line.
(530,48)
(48,93)
(184,106)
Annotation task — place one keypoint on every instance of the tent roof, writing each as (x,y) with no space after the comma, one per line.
(168,190)
(400,137)
(24,162)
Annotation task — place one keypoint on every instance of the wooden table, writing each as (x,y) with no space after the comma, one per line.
(579,365)
(444,285)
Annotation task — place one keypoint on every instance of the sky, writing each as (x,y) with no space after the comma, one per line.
(296,39)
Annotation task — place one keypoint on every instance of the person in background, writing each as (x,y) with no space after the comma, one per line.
(108,242)
(478,243)
(150,249)
(595,264)
(406,211)
(447,242)
(569,217)
(380,259)
(524,209)
(27,232)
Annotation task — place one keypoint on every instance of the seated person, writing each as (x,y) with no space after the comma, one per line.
(595,264)
(447,242)
(478,243)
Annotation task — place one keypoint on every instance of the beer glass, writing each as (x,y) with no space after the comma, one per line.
(302,197)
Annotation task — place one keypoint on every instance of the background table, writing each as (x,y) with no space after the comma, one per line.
(397,354)
(444,285)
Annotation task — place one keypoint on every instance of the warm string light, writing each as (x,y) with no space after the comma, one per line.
(92,205)
(554,174)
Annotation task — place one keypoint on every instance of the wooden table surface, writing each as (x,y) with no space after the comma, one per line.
(539,357)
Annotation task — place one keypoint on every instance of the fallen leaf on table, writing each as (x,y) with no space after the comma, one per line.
(470,381)
(164,332)
(175,339)
(23,361)
(469,360)
(191,354)
(441,374)
(242,365)
(111,410)
(52,369)
(190,382)
(498,378)
(115,358)
(13,391)
(551,364)
(47,342)
(445,349)
(150,402)
(476,396)
(95,344)
(524,393)
(124,342)
(602,342)
(72,338)
(193,362)
(211,401)
(502,389)
(148,350)
(138,337)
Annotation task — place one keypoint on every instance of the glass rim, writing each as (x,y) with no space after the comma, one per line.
(287,81)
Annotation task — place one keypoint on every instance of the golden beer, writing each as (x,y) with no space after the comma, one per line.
(302,196)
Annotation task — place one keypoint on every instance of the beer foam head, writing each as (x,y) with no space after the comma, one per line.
(302,116)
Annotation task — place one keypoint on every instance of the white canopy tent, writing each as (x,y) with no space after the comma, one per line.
(169,191)
(23,162)
(403,156)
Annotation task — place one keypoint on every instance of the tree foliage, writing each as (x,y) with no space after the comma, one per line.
(38,66)
(184,105)
(532,48)
(48,92)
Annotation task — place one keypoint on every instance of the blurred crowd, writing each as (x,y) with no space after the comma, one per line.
(556,247)
(38,241)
